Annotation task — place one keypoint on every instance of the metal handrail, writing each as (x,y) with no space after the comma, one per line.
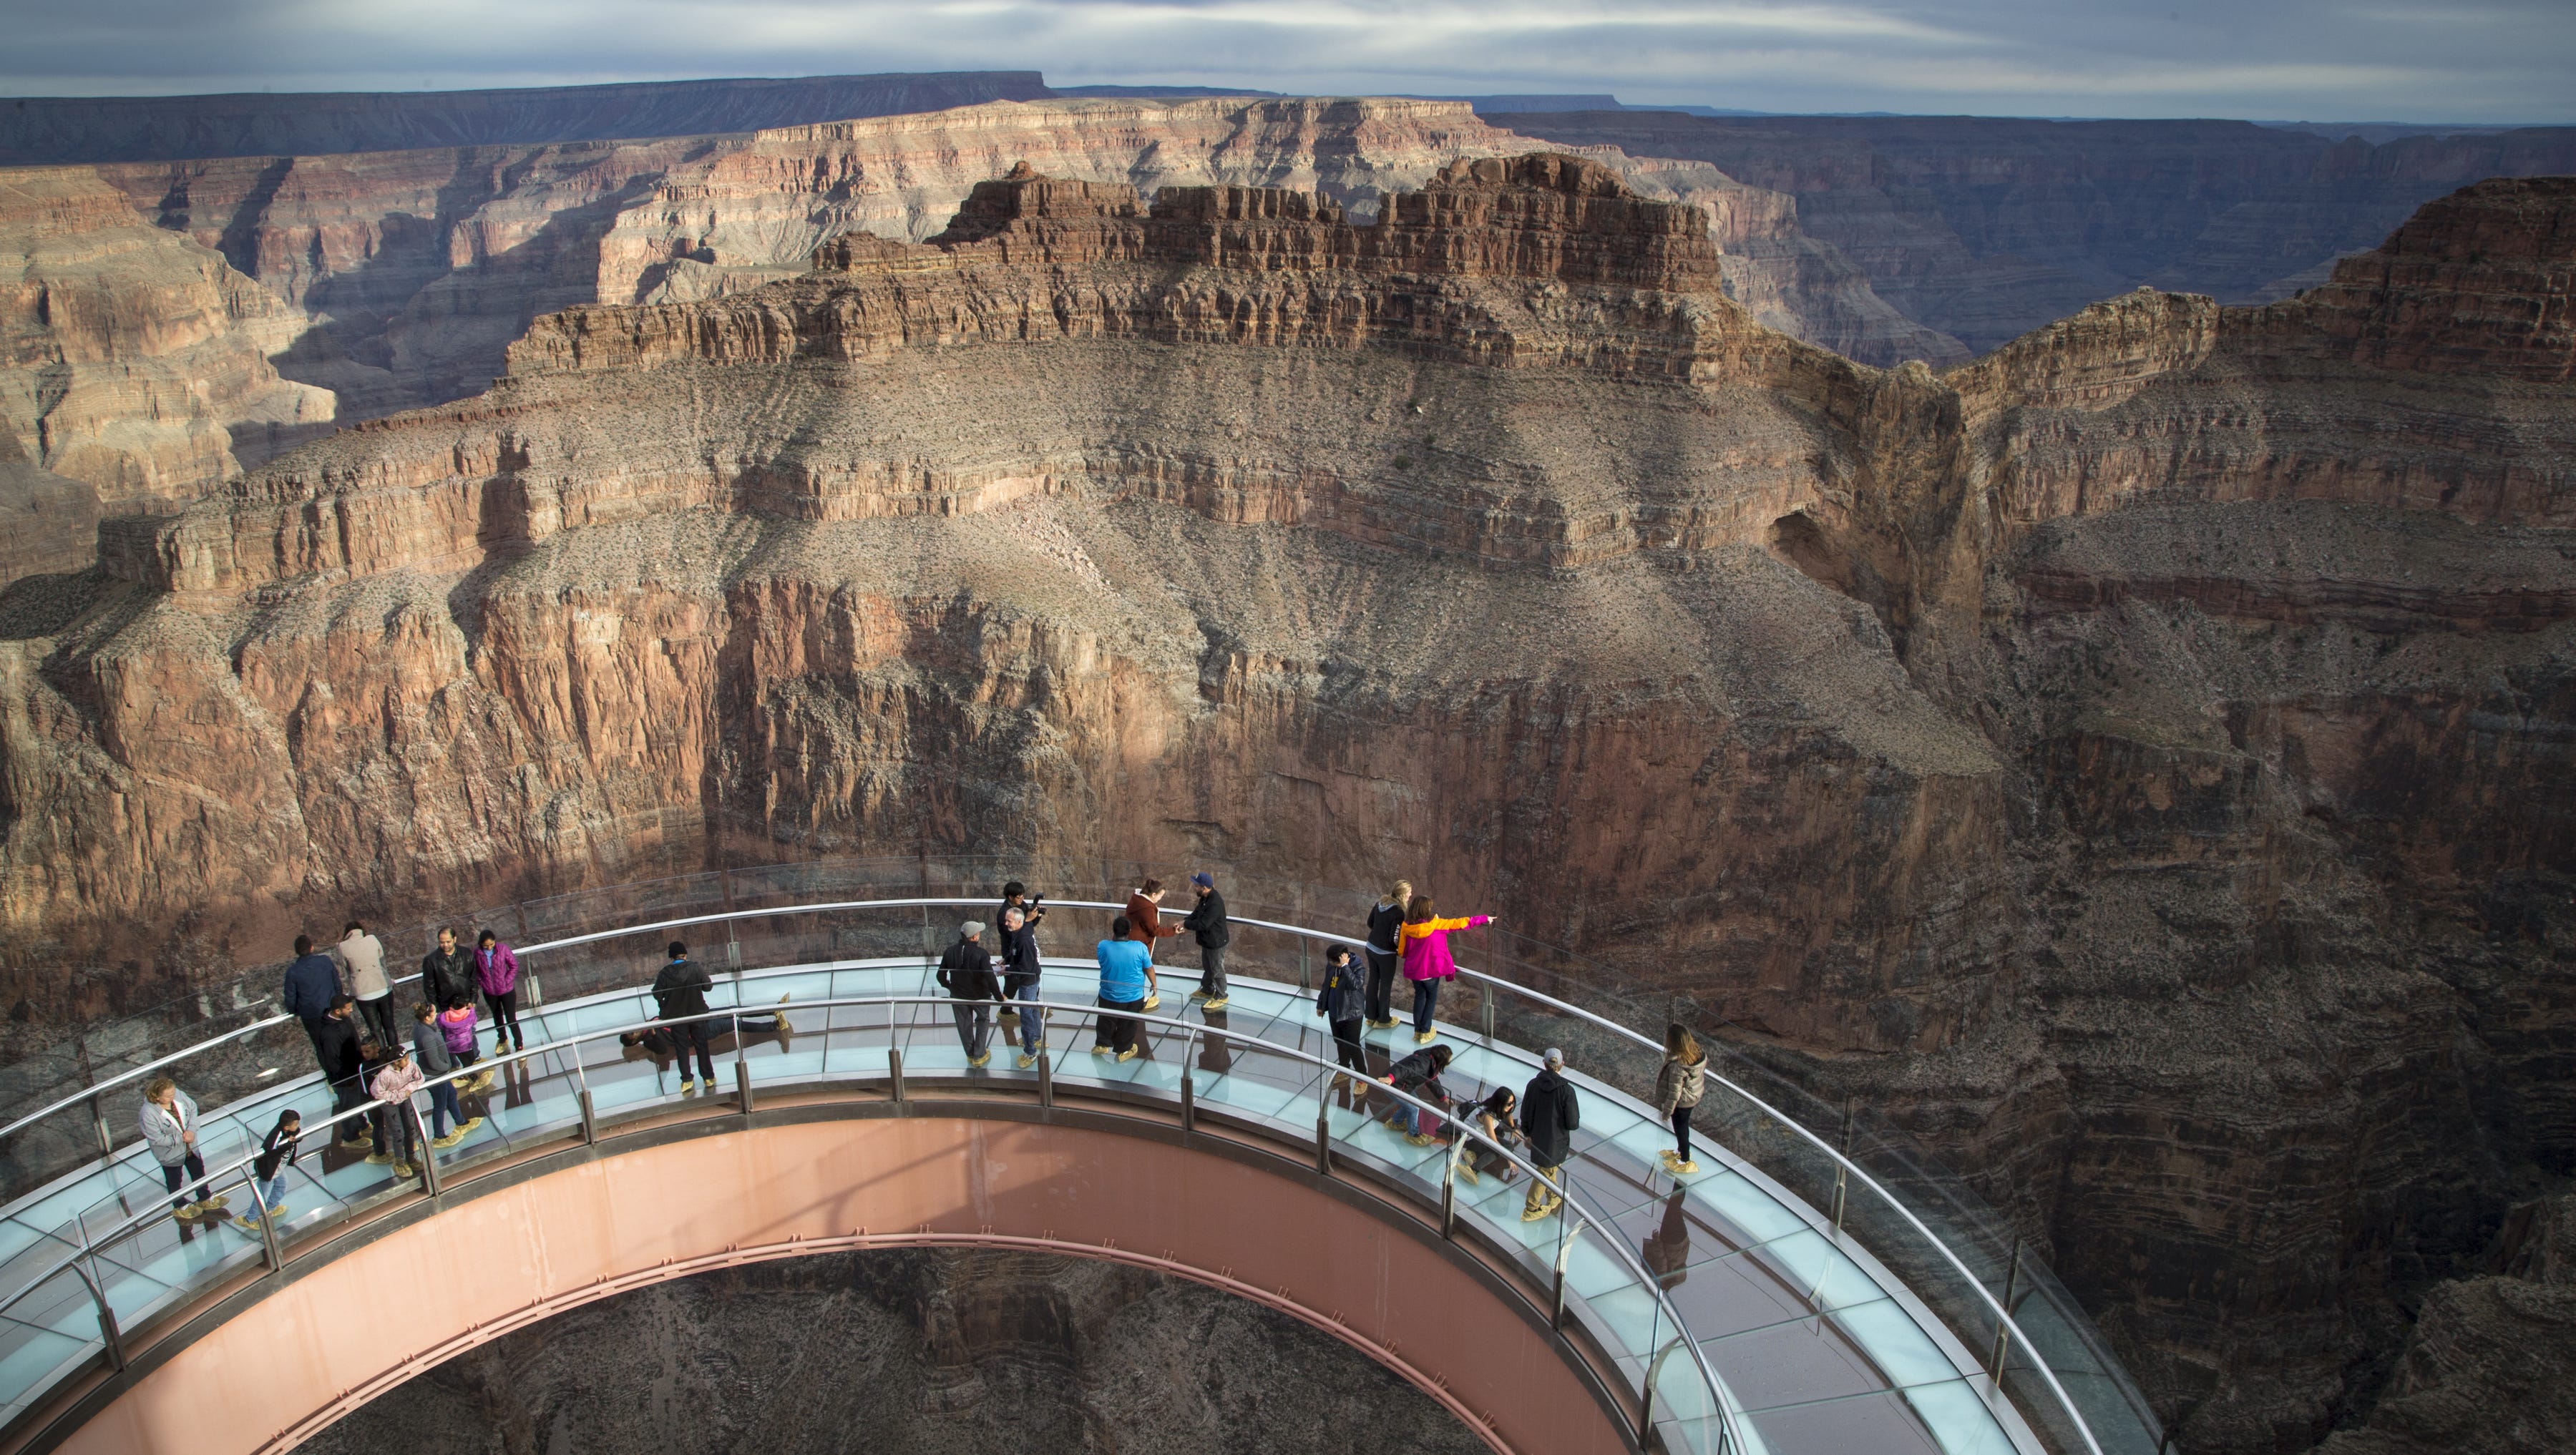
(2002,1315)
(1731,1436)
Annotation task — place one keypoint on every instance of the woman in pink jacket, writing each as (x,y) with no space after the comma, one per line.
(1426,958)
(496,969)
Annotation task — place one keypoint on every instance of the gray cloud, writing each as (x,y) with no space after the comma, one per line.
(2489,60)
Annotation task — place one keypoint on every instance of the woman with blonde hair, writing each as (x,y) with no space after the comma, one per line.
(1385,925)
(1678,1088)
(1426,958)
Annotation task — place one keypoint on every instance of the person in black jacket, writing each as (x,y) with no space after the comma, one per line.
(1342,1004)
(1206,921)
(1020,972)
(1385,948)
(680,994)
(1549,1117)
(966,972)
(336,1044)
(310,983)
(447,972)
(1419,1075)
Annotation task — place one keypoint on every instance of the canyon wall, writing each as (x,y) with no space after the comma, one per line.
(2136,760)
(1987,228)
(939,1353)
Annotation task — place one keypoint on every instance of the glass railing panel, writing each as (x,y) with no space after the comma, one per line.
(1882,1424)
(52,1326)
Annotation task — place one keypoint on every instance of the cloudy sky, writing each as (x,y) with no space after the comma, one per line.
(2340,60)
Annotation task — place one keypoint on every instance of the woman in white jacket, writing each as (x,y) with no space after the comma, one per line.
(169,1121)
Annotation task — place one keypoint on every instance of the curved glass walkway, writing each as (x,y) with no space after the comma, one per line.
(1740,1316)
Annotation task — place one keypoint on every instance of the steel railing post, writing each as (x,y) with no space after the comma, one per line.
(1486,993)
(894,1072)
(1565,1236)
(428,1153)
(1449,1190)
(1323,1136)
(110,1337)
(589,1118)
(1189,1085)
(98,1120)
(741,1053)
(1046,1078)
(742,1085)
(272,1251)
(1842,1181)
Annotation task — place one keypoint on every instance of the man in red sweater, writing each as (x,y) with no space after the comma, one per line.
(1145,922)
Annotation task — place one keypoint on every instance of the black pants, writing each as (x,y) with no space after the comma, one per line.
(1381,986)
(1681,1130)
(1117,1032)
(505,1012)
(191,1169)
(701,1034)
(348,1094)
(313,1032)
(1346,1046)
(401,1140)
(1212,971)
(377,1016)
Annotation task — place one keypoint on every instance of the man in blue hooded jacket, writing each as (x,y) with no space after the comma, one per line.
(311,982)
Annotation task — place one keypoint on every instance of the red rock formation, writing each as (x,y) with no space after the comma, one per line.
(2137,759)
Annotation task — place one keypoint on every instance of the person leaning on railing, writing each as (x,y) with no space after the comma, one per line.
(680,994)
(1427,960)
(312,982)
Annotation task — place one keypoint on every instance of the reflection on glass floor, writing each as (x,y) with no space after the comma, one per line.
(1819,1349)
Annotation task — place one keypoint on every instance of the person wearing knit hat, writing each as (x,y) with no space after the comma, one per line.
(1206,921)
(966,972)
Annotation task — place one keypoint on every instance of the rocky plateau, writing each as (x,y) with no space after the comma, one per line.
(2138,759)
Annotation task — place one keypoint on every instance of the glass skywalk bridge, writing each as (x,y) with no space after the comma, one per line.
(1737,1315)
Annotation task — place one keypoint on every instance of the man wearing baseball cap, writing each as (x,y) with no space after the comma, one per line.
(966,972)
(1206,921)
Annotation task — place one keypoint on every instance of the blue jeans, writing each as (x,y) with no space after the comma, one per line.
(1032,1019)
(1426,993)
(443,1108)
(272,1193)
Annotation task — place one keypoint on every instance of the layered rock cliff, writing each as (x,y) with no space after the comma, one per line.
(1986,228)
(2136,760)
(946,1352)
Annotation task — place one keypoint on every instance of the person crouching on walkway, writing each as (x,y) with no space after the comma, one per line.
(1419,1076)
(1427,961)
(966,973)
(169,1119)
(1678,1088)
(1126,981)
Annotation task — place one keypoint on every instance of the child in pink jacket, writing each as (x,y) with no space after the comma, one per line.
(1427,962)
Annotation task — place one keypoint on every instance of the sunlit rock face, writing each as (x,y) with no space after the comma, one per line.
(943,1353)
(2137,759)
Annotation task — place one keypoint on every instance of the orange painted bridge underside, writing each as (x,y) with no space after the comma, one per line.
(284,1356)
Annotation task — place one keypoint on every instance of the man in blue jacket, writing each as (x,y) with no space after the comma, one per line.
(311,982)
(1126,978)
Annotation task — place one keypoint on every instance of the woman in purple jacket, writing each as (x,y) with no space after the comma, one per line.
(496,969)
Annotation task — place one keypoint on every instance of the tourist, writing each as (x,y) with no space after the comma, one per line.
(1206,921)
(447,972)
(680,993)
(1032,907)
(1342,1002)
(1385,923)
(311,984)
(169,1121)
(268,1173)
(1496,1118)
(362,960)
(393,1086)
(1126,980)
(456,1023)
(1020,973)
(429,1048)
(344,1066)
(1419,1074)
(496,970)
(1549,1117)
(374,1056)
(1145,922)
(1678,1087)
(966,973)
(1426,958)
